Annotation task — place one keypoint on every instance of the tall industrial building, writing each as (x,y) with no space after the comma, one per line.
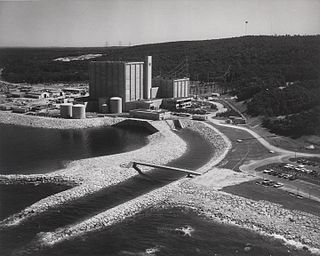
(130,81)
(172,88)
(130,84)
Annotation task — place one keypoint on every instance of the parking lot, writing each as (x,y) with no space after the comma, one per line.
(302,169)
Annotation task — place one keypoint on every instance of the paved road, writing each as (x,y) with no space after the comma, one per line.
(280,155)
(265,143)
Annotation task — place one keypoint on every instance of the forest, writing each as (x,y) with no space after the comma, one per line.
(236,62)
(291,111)
(276,76)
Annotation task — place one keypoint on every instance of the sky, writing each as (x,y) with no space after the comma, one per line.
(67,23)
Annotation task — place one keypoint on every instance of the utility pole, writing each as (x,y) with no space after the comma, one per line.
(246,27)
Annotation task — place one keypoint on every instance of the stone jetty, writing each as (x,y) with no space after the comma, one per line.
(94,174)
(294,227)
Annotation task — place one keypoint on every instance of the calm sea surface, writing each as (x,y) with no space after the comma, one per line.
(33,150)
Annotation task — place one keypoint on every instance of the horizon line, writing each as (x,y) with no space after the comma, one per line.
(162,42)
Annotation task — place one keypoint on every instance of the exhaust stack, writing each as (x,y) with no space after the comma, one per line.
(147,74)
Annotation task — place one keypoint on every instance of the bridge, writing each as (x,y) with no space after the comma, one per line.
(134,165)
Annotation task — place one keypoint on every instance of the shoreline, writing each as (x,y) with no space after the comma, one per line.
(293,227)
(97,173)
(151,199)
(56,123)
(263,217)
(271,219)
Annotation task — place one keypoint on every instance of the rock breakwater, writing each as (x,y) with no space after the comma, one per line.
(109,217)
(39,179)
(97,173)
(261,216)
(151,199)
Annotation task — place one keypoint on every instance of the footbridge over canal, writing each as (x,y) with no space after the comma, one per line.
(135,166)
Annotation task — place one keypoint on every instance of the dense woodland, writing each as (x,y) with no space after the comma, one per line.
(274,75)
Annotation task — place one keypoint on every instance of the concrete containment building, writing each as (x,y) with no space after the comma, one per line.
(66,110)
(78,111)
(119,79)
(172,88)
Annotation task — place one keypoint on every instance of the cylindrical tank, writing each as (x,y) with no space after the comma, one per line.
(115,105)
(66,110)
(78,111)
(104,108)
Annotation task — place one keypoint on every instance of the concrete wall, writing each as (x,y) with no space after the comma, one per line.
(116,79)
(169,88)
(133,81)
(180,88)
(165,87)
(106,79)
(138,123)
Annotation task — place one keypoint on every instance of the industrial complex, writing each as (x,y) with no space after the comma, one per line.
(115,88)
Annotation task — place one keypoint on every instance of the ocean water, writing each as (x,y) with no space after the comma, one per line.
(199,153)
(176,232)
(34,150)
(16,197)
(153,232)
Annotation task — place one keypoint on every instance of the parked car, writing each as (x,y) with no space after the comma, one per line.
(278,185)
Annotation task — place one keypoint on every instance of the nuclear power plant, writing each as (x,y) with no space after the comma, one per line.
(122,85)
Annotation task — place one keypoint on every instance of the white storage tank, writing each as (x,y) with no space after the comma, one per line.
(78,111)
(66,110)
(115,105)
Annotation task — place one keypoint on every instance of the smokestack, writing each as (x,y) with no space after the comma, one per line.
(147,77)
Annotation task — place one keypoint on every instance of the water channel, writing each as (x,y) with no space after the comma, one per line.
(152,233)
